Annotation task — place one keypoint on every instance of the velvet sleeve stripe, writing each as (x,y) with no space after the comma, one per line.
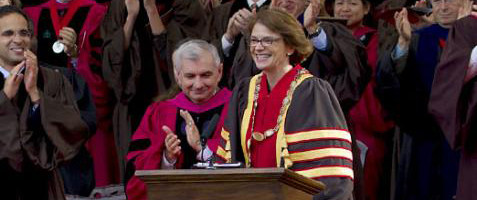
(222,153)
(225,134)
(331,134)
(320,154)
(224,150)
(313,145)
(139,144)
(327,171)
(329,161)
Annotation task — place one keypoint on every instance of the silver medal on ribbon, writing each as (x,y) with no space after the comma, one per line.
(58,47)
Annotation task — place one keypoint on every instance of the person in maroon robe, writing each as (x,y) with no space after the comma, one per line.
(338,58)
(41,125)
(425,165)
(169,136)
(369,120)
(75,23)
(453,101)
(284,116)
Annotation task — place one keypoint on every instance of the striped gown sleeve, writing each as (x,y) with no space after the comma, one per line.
(229,147)
(319,144)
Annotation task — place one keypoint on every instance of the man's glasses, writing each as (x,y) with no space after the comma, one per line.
(266,41)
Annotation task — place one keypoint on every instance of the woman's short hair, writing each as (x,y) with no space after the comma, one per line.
(288,28)
(191,50)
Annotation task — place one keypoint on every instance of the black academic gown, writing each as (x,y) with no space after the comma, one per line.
(136,75)
(424,165)
(78,174)
(36,142)
(144,71)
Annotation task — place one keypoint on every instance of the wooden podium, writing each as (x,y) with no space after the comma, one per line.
(228,184)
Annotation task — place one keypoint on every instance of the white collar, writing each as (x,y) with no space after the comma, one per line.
(259,3)
(5,73)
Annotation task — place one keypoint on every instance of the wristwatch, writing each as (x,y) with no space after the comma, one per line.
(316,32)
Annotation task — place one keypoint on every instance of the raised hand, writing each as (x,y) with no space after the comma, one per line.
(238,23)
(31,76)
(208,5)
(243,19)
(132,6)
(10,88)
(465,9)
(68,38)
(232,29)
(193,136)
(173,148)
(474,10)
(403,27)
(310,15)
(275,4)
(157,27)
(148,3)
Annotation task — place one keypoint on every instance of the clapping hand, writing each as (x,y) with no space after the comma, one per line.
(173,148)
(12,83)
(31,75)
(132,6)
(311,14)
(403,27)
(193,136)
(238,23)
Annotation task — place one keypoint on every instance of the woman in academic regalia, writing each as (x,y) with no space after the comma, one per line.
(284,116)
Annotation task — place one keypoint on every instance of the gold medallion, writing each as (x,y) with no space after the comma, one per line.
(258,136)
(269,132)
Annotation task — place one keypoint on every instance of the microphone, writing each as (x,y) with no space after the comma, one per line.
(209,130)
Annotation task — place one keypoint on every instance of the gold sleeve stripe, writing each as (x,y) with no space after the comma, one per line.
(282,140)
(225,134)
(329,171)
(246,118)
(321,153)
(221,152)
(319,134)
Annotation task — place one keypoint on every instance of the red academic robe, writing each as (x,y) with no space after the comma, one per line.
(368,121)
(147,145)
(100,145)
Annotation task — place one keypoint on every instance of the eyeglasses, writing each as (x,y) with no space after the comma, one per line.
(266,41)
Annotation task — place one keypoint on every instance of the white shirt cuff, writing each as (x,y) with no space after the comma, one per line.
(165,164)
(226,46)
(473,56)
(472,70)
(398,52)
(320,42)
(205,154)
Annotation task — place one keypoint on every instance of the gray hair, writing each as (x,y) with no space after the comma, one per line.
(191,50)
